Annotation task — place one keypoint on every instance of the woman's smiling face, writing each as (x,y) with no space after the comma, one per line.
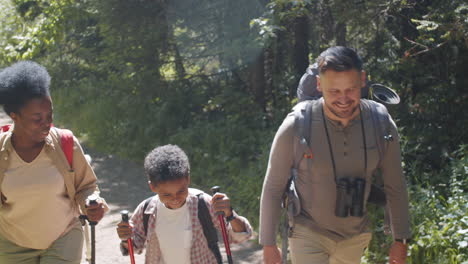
(34,119)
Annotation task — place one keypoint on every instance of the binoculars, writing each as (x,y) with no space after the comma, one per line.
(350,197)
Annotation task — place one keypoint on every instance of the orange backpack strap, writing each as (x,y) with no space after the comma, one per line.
(66,139)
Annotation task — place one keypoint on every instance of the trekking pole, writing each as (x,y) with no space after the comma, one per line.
(86,236)
(214,190)
(92,199)
(284,240)
(124,214)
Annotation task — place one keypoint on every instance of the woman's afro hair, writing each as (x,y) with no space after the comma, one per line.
(166,163)
(21,82)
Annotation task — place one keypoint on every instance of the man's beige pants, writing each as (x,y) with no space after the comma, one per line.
(67,249)
(309,247)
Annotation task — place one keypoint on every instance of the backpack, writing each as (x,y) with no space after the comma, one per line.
(204,216)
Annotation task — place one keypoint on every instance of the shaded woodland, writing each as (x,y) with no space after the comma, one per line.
(217,78)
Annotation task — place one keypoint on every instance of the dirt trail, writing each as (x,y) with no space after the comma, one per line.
(123,185)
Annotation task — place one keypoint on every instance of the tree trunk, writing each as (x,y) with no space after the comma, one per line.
(340,34)
(301,49)
(328,22)
(257,80)
(314,32)
(269,73)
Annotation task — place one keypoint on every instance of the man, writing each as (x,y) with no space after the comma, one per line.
(344,150)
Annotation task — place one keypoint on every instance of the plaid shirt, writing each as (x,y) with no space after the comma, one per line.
(199,252)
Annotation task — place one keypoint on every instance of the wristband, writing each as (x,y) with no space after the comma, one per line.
(232,216)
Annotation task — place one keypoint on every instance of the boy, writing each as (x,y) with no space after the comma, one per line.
(174,233)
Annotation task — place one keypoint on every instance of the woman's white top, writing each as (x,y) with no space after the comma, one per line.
(37,211)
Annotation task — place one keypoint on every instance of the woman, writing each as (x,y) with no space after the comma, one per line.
(41,194)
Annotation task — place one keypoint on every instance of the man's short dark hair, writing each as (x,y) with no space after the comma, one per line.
(166,163)
(339,59)
(21,82)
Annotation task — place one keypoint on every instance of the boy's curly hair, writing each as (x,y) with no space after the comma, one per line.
(166,163)
(21,82)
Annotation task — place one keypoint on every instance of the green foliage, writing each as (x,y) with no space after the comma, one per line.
(217,78)
(237,169)
(377,252)
(40,25)
(439,217)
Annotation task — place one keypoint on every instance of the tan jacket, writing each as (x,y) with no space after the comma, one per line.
(79,182)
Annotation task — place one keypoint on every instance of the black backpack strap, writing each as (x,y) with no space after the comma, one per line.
(146,216)
(381,123)
(301,145)
(208,228)
(302,125)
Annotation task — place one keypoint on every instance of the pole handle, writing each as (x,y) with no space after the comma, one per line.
(92,199)
(124,215)
(215,189)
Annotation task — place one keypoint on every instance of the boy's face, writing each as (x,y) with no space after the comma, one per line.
(172,193)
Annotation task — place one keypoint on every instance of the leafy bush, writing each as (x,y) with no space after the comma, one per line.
(439,217)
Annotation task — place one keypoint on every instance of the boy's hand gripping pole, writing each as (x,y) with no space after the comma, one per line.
(124,214)
(214,190)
